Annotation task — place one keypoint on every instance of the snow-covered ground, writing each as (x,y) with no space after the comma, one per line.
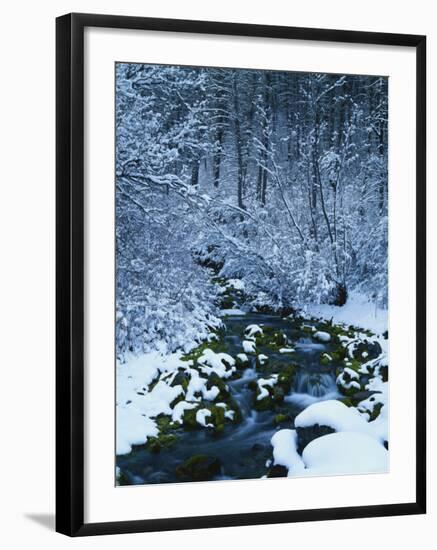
(358,311)
(146,388)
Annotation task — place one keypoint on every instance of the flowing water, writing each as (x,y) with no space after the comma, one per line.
(243,449)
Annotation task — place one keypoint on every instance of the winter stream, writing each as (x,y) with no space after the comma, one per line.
(243,449)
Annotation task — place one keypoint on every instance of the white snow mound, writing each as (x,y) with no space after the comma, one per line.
(334,414)
(345,453)
(322,336)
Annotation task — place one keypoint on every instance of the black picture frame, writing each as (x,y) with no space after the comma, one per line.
(70,273)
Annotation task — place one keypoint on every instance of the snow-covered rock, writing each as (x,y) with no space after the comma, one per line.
(322,336)
(285,453)
(180,408)
(249,346)
(349,379)
(201,416)
(332,413)
(229,413)
(345,453)
(220,363)
(263,383)
(158,400)
(252,331)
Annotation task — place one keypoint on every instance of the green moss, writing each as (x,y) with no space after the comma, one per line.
(198,468)
(217,345)
(162,441)
(226,301)
(237,412)
(217,418)
(307,329)
(261,364)
(280,418)
(121,479)
(272,339)
(324,359)
(286,377)
(189,419)
(347,401)
(264,404)
(338,354)
(240,364)
(165,423)
(215,380)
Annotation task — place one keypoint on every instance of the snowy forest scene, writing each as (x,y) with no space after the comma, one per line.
(251,274)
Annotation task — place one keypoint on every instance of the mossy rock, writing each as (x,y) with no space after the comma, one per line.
(383,371)
(265,404)
(348,401)
(277,471)
(347,392)
(226,301)
(217,345)
(198,468)
(263,362)
(182,378)
(286,377)
(165,424)
(215,380)
(278,393)
(121,479)
(240,363)
(189,419)
(338,354)
(372,349)
(376,412)
(281,418)
(176,400)
(217,418)
(162,441)
(274,340)
(233,405)
(306,329)
(308,434)
(270,401)
(253,385)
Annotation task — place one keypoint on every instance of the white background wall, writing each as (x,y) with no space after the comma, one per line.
(27,270)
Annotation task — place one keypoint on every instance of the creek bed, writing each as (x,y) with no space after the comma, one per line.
(243,449)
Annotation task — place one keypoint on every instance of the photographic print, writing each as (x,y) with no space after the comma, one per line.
(251,322)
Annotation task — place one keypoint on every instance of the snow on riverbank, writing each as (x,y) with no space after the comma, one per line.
(151,384)
(135,404)
(358,311)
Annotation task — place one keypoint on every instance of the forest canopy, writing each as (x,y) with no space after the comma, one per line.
(277,179)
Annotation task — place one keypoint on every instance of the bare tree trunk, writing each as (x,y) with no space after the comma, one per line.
(238,145)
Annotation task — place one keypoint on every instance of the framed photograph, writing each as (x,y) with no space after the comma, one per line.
(240,274)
